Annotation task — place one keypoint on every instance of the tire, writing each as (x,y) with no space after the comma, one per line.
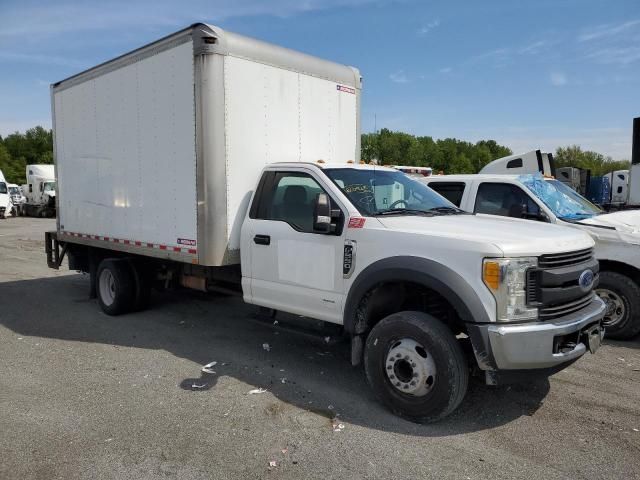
(622,295)
(115,286)
(142,280)
(434,357)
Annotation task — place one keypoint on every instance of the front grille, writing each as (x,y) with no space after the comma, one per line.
(532,286)
(557,260)
(549,313)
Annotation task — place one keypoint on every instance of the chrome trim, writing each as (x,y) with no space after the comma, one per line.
(530,345)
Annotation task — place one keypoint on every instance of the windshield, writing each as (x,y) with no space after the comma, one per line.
(565,203)
(14,191)
(376,192)
(3,187)
(49,186)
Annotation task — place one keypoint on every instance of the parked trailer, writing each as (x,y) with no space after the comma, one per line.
(221,163)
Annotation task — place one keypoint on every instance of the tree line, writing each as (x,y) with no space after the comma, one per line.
(386,147)
(21,149)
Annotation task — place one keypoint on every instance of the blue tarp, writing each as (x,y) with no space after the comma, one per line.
(562,200)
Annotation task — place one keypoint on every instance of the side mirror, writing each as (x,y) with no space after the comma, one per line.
(322,214)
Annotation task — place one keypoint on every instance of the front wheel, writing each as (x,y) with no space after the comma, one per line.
(622,298)
(416,367)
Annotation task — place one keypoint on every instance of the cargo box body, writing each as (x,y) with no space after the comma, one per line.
(158,151)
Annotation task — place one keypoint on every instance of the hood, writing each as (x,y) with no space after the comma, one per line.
(626,220)
(51,193)
(618,226)
(514,237)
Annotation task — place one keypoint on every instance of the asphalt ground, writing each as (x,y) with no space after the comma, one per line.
(87,396)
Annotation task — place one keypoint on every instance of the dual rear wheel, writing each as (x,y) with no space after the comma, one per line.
(122,286)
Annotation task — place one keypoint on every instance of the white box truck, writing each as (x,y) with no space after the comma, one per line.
(218,162)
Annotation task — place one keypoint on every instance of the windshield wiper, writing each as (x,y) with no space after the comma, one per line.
(403,211)
(447,210)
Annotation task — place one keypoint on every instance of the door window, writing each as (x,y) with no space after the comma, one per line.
(504,199)
(452,191)
(288,197)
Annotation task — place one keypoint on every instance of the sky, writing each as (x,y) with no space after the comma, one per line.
(528,74)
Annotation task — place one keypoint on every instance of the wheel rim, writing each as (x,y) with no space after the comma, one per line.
(107,287)
(410,368)
(616,309)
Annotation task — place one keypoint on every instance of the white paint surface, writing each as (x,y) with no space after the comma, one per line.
(308,264)
(126,151)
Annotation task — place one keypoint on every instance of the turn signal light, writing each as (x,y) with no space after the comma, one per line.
(491,274)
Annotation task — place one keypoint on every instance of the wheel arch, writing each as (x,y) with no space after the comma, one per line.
(439,278)
(623,268)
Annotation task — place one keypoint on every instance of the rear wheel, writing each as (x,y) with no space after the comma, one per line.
(115,286)
(622,298)
(416,366)
(142,280)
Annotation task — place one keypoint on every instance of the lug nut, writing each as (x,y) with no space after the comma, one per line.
(415,374)
(392,377)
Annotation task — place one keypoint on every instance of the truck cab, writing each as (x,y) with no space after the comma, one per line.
(547,200)
(40,191)
(5,198)
(398,266)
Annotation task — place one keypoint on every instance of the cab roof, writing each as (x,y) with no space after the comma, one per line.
(335,165)
(476,176)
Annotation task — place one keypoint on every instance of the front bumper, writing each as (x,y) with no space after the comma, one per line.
(534,345)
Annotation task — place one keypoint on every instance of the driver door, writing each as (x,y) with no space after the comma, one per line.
(293,268)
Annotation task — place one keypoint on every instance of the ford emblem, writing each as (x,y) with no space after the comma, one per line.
(586,280)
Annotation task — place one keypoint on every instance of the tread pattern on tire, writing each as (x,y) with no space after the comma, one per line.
(440,334)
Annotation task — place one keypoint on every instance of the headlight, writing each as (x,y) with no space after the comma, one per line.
(506,278)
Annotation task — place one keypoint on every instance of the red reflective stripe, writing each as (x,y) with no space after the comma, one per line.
(137,243)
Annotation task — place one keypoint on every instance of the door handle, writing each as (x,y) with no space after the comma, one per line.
(262,239)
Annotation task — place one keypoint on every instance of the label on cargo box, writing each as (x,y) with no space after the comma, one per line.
(342,88)
(186,241)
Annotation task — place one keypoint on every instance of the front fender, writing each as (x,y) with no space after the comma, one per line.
(429,273)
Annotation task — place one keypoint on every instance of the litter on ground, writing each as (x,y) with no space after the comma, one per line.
(257,390)
(266,346)
(198,386)
(207,368)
